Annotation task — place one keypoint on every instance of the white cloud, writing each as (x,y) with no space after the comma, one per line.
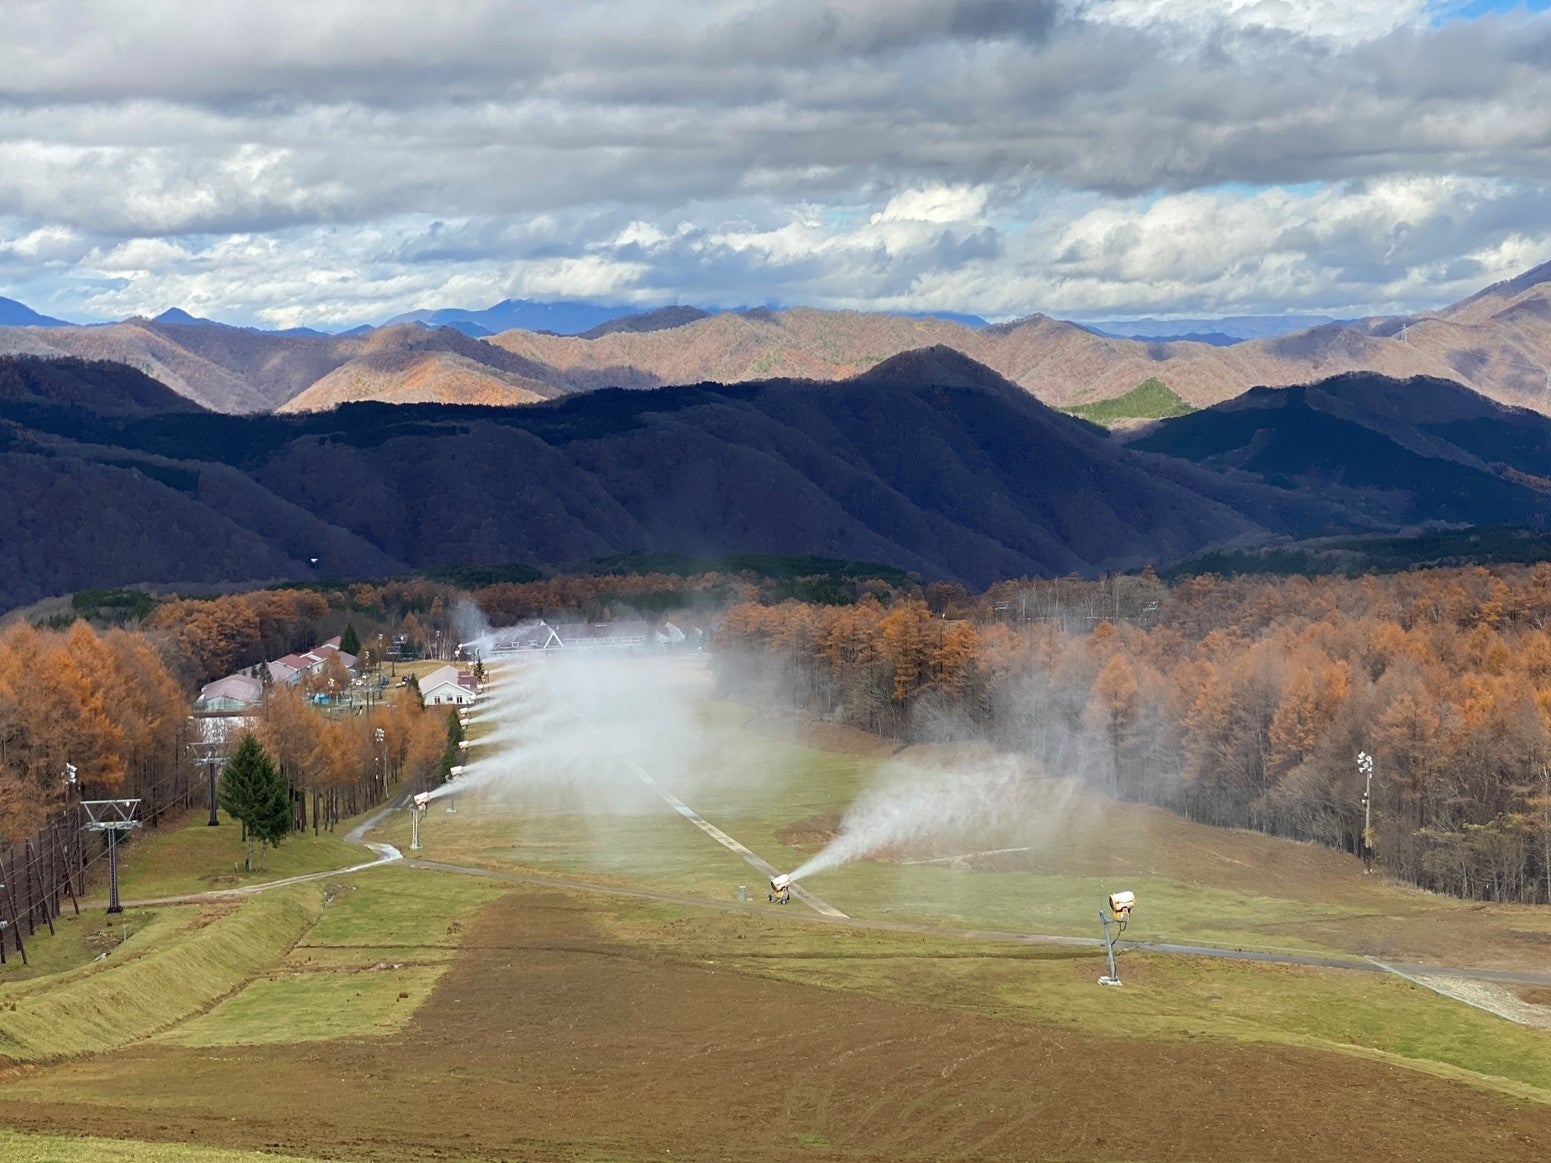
(934,204)
(1334,19)
(344,160)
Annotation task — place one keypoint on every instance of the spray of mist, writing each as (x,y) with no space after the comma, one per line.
(913,805)
(562,724)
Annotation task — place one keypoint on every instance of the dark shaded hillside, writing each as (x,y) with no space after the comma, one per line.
(107,389)
(968,481)
(930,462)
(1403,450)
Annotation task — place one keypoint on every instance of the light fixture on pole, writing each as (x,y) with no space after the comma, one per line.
(1365,769)
(1119,915)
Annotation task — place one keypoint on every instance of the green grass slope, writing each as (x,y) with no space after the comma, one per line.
(1152,399)
(116,1002)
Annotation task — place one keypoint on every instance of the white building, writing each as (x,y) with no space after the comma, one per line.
(447,686)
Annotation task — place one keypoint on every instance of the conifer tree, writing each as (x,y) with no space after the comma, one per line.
(272,816)
(350,641)
(246,784)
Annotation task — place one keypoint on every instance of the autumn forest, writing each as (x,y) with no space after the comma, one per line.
(1239,702)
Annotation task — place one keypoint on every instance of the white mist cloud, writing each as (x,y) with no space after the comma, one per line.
(908,805)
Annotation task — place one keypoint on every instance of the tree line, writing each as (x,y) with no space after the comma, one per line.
(110,707)
(1237,702)
(106,704)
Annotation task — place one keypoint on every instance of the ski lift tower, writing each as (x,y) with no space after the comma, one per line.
(112,817)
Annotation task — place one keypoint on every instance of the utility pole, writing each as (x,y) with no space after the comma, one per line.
(213,821)
(1365,768)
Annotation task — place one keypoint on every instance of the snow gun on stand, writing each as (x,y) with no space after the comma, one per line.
(780,889)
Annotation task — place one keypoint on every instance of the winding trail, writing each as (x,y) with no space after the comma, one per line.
(386,854)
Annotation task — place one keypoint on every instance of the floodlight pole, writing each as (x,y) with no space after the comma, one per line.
(1365,766)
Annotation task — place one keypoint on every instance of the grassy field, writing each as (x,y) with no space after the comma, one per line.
(583,1026)
(20,1148)
(1165,997)
(1196,884)
(405,1014)
(191,856)
(80,938)
(140,991)
(1152,399)
(382,942)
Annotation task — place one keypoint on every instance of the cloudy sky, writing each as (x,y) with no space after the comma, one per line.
(335,162)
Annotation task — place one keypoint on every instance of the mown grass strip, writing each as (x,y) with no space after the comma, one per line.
(194,857)
(384,940)
(124,1002)
(19,1147)
(313,1007)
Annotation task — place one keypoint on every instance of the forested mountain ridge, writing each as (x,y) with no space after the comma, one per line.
(928,462)
(1419,449)
(1497,342)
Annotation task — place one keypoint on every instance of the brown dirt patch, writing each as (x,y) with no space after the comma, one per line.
(1536,995)
(814,832)
(547,1040)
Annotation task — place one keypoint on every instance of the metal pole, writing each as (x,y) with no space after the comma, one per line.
(210,770)
(113,905)
(1109,947)
(1368,824)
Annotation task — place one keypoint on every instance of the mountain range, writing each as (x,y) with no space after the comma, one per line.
(1497,342)
(14,314)
(927,461)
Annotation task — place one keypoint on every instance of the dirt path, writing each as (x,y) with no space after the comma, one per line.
(386,854)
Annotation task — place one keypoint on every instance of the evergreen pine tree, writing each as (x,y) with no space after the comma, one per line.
(244,785)
(272,816)
(350,641)
(413,684)
(451,754)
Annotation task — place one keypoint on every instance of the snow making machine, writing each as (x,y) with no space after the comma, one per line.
(780,889)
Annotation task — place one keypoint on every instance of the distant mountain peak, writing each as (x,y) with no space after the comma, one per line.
(15,314)
(662,319)
(177,315)
(941,366)
(1508,288)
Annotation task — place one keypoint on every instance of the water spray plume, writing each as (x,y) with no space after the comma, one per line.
(913,805)
(558,724)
